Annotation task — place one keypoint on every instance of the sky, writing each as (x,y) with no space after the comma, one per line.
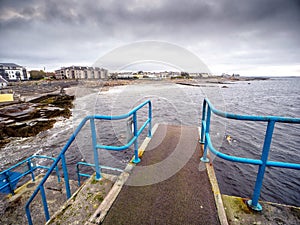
(249,37)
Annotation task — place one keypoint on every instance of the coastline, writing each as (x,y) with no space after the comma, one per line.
(51,141)
(28,94)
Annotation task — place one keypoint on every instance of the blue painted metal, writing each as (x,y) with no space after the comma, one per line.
(9,181)
(206,132)
(203,127)
(66,176)
(91,165)
(9,178)
(44,200)
(30,169)
(136,145)
(262,163)
(149,120)
(261,170)
(250,117)
(95,150)
(96,146)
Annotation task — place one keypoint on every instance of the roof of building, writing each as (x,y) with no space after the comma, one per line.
(80,68)
(10,65)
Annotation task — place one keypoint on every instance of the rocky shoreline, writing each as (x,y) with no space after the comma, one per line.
(27,119)
(38,104)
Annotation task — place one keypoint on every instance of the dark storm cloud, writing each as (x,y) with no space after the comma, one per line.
(73,30)
(165,15)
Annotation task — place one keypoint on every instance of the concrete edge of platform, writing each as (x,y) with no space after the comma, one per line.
(216,192)
(238,212)
(102,210)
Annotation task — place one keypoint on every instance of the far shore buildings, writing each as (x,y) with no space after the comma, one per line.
(81,72)
(13,72)
(234,75)
(157,75)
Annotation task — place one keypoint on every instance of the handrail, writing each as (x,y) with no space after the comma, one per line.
(61,156)
(208,108)
(250,117)
(79,174)
(10,178)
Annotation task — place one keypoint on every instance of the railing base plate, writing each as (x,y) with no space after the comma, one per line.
(257,208)
(136,161)
(206,160)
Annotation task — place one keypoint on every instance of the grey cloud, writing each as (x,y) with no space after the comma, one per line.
(209,16)
(68,29)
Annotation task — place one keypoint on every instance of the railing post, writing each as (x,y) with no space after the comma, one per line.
(207,125)
(78,176)
(30,169)
(95,150)
(253,204)
(202,122)
(29,219)
(150,119)
(10,186)
(136,145)
(57,174)
(66,176)
(44,200)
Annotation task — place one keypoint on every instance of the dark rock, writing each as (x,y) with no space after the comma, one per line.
(50,112)
(27,130)
(30,118)
(62,101)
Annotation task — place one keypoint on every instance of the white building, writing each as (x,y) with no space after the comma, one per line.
(13,72)
(81,72)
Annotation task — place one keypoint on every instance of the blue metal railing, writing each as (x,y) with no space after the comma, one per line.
(61,156)
(10,177)
(79,174)
(263,162)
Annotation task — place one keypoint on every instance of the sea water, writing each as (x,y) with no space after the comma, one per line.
(181,105)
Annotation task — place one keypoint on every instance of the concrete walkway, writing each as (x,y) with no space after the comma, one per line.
(167,187)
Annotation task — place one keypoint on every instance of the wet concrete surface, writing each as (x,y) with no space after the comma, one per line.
(238,213)
(184,198)
(84,202)
(13,207)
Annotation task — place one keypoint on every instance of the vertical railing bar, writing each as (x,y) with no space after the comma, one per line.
(95,150)
(11,189)
(136,146)
(66,176)
(29,219)
(261,170)
(30,169)
(150,119)
(203,120)
(44,200)
(57,174)
(207,126)
(78,175)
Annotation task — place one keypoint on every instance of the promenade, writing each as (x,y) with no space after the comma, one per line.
(184,198)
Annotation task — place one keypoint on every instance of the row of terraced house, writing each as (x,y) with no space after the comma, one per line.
(81,72)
